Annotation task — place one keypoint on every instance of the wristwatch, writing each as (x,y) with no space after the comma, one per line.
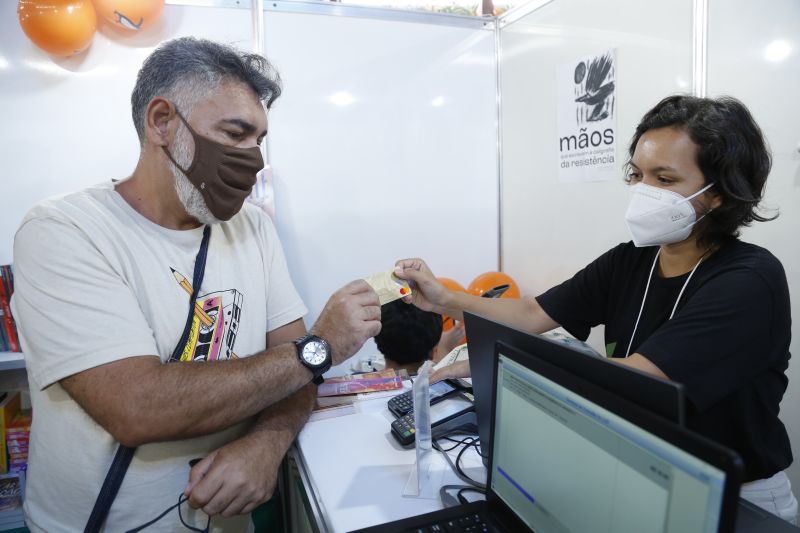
(315,353)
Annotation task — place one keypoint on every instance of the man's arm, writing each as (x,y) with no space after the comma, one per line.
(242,474)
(140,400)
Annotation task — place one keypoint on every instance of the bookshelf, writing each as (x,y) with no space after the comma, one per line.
(11,360)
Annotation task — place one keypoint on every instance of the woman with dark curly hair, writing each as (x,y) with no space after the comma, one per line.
(685,300)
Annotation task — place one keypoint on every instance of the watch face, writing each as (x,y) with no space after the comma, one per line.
(315,353)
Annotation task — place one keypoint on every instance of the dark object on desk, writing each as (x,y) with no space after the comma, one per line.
(402,404)
(496,292)
(455,411)
(664,398)
(753,519)
(557,434)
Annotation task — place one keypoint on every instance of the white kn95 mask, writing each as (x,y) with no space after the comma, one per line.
(657,216)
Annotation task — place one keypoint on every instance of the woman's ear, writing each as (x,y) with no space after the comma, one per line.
(714,198)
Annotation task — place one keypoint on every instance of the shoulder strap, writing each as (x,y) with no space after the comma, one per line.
(124,455)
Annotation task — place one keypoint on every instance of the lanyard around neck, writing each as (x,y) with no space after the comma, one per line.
(647,288)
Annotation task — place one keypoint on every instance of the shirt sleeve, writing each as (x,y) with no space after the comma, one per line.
(284,304)
(579,303)
(727,333)
(73,311)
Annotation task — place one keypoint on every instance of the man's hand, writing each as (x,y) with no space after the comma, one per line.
(426,291)
(351,316)
(234,479)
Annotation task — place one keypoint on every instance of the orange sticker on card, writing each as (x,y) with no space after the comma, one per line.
(388,286)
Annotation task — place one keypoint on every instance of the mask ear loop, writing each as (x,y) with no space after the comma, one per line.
(644,299)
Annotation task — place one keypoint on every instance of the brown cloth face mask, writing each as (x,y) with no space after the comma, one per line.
(224,175)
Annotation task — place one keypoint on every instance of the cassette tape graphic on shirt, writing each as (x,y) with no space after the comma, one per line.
(214,325)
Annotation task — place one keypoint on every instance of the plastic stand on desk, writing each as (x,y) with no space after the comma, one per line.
(424,480)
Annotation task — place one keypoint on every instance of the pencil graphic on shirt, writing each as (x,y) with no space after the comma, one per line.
(198,309)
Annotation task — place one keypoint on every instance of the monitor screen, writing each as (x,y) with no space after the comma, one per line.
(555,452)
(659,396)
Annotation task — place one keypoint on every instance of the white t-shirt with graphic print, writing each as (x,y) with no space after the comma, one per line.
(97,282)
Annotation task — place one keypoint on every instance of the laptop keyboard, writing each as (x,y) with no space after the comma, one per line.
(472,523)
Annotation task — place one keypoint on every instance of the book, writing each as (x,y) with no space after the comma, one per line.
(388,373)
(331,412)
(358,386)
(9,328)
(17,441)
(3,342)
(9,408)
(10,492)
(7,272)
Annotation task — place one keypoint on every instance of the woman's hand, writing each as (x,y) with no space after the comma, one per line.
(426,291)
(456,370)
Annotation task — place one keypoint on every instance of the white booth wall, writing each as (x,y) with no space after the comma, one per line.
(763,71)
(403,160)
(383,145)
(67,122)
(551,229)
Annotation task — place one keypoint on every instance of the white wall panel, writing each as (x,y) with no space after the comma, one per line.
(552,229)
(67,122)
(763,71)
(383,146)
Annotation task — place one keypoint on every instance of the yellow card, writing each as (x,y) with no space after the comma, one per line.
(388,286)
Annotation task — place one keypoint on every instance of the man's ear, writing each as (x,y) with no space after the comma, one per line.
(158,121)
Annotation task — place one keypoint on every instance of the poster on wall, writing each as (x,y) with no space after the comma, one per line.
(587,119)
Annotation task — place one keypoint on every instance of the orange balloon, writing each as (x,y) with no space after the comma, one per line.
(452,285)
(59,27)
(490,280)
(129,14)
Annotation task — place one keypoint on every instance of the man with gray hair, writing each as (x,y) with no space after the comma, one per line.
(105,279)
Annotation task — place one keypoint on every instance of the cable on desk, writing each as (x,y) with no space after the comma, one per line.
(457,443)
(460,473)
(462,499)
(456,468)
(446,498)
(476,444)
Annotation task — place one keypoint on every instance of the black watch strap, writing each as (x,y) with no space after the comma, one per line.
(317,371)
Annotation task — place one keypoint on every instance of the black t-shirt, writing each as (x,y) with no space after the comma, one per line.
(728,342)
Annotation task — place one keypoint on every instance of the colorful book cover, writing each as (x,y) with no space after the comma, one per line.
(9,408)
(388,373)
(8,279)
(18,441)
(10,492)
(3,342)
(8,323)
(359,385)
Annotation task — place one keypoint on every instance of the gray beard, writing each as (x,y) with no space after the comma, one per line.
(189,196)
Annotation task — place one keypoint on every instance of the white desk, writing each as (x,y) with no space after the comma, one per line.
(354,472)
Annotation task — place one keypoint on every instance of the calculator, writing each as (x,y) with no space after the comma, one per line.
(402,404)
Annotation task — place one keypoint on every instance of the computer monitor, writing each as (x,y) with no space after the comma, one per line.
(568,455)
(664,398)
